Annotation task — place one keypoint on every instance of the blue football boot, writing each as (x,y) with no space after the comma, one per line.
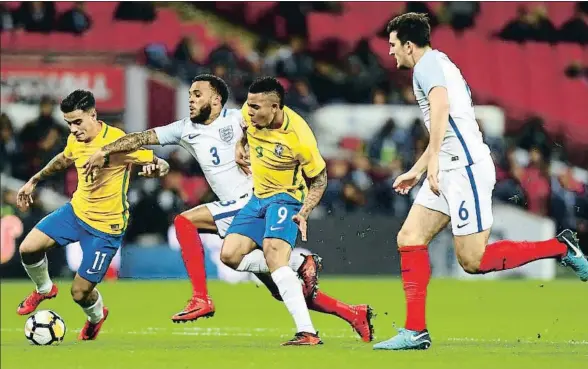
(575,258)
(406,340)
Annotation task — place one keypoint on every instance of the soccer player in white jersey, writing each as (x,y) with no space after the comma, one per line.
(458,187)
(210,134)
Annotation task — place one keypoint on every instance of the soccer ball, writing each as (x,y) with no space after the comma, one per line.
(45,328)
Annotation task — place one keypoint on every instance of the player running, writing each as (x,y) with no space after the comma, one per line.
(281,148)
(96,216)
(210,134)
(458,187)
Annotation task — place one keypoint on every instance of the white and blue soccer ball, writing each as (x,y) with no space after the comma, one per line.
(45,328)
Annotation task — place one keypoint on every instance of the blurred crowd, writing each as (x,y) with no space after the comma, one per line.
(360,182)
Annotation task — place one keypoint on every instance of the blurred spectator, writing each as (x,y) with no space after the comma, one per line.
(576,28)
(36,16)
(326,88)
(10,149)
(534,135)
(508,180)
(135,11)
(257,55)
(75,20)
(224,54)
(188,56)
(460,14)
(531,25)
(301,99)
(416,7)
(536,183)
(292,61)
(6,18)
(294,15)
(379,97)
(577,71)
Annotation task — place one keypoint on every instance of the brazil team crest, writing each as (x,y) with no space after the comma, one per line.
(226,133)
(279,150)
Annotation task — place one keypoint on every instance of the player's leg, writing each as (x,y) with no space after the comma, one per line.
(188,224)
(473,207)
(427,217)
(279,239)
(98,251)
(58,227)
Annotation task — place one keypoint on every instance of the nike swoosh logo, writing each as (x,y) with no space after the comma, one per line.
(579,253)
(460,226)
(193,136)
(415,338)
(275,229)
(91,272)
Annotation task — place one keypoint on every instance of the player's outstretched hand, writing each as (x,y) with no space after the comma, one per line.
(242,159)
(95,162)
(433,175)
(24,197)
(405,182)
(155,170)
(301,221)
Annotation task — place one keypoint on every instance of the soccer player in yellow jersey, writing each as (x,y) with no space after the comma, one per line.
(96,216)
(281,148)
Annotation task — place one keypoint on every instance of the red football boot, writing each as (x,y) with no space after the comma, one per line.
(33,300)
(309,272)
(197,308)
(361,323)
(304,339)
(91,330)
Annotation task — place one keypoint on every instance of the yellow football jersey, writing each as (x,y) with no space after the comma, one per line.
(279,156)
(102,204)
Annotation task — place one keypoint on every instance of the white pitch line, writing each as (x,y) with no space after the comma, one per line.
(258,332)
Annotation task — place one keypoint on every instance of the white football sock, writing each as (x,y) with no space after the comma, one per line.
(39,274)
(95,312)
(291,292)
(254,262)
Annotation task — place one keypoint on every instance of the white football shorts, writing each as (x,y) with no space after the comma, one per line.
(223,212)
(466,197)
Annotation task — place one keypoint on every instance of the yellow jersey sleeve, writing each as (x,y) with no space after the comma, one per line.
(68,150)
(245,122)
(310,158)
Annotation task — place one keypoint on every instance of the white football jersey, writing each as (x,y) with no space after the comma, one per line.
(463,144)
(213,146)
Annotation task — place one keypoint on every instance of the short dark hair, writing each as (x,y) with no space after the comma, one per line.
(413,27)
(267,85)
(217,84)
(79,99)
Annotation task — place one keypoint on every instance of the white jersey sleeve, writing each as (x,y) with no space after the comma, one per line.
(170,134)
(462,143)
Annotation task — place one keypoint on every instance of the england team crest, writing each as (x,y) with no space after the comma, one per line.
(226,133)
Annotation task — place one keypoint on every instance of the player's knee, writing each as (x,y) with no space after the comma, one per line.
(229,257)
(470,262)
(407,237)
(80,293)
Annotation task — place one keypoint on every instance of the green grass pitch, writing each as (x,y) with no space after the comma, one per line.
(482,324)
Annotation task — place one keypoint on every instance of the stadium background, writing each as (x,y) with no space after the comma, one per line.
(526,63)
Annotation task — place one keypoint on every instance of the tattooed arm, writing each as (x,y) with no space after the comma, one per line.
(24,197)
(131,142)
(57,164)
(125,144)
(316,189)
(318,185)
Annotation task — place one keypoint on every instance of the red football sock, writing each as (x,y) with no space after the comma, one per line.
(193,254)
(324,303)
(502,255)
(416,273)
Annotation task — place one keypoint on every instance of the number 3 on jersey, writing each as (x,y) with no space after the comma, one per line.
(215,158)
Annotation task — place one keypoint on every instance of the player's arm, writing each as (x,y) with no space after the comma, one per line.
(431,79)
(165,135)
(59,163)
(315,169)
(316,188)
